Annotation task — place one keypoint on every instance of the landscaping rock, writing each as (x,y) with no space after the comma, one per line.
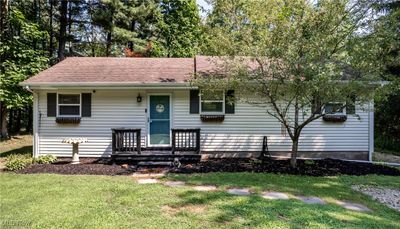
(311,199)
(275,196)
(147,181)
(353,206)
(239,191)
(204,188)
(175,183)
(387,196)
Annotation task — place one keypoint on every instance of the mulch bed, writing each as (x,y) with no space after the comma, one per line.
(326,167)
(88,166)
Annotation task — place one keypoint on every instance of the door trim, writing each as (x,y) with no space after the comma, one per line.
(148,120)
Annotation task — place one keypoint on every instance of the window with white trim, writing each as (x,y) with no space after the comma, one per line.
(69,105)
(212,101)
(334,108)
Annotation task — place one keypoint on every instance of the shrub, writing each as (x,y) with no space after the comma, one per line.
(46,159)
(17,162)
(387,144)
(309,162)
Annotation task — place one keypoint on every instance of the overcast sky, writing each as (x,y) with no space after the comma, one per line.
(203,6)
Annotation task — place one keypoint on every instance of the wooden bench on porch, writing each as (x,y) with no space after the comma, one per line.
(127,146)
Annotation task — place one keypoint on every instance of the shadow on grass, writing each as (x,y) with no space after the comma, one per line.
(22,150)
(255,211)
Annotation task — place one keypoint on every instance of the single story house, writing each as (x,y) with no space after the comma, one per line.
(150,105)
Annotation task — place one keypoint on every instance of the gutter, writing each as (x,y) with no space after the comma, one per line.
(371,138)
(28,89)
(107,84)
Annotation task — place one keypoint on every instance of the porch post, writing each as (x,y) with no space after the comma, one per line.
(138,141)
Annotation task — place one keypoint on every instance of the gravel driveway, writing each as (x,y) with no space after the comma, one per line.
(387,196)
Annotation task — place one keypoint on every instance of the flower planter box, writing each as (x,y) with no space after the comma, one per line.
(68,120)
(212,118)
(334,118)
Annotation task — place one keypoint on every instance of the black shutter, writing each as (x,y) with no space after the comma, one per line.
(351,107)
(194,101)
(51,104)
(230,102)
(86,104)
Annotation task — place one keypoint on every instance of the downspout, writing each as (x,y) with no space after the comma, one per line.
(371,131)
(36,117)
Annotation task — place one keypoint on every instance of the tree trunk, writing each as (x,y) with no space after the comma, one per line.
(17,120)
(51,45)
(29,124)
(63,29)
(10,122)
(296,135)
(3,25)
(3,15)
(3,114)
(70,50)
(108,46)
(295,146)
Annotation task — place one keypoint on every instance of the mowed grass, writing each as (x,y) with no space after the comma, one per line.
(58,201)
(19,144)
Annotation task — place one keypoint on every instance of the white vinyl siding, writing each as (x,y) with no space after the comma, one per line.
(242,131)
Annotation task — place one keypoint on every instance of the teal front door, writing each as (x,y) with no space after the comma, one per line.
(159,120)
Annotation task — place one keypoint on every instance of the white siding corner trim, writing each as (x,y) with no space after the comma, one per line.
(36,117)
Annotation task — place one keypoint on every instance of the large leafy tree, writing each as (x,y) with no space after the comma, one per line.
(20,59)
(385,39)
(180,31)
(291,57)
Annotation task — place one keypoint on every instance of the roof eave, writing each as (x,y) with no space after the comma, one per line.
(116,85)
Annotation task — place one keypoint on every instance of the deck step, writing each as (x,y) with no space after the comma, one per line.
(155,163)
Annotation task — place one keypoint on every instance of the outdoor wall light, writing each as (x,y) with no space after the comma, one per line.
(139,98)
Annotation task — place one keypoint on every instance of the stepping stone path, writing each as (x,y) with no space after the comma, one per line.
(310,200)
(353,206)
(175,183)
(239,191)
(266,195)
(147,181)
(205,188)
(275,195)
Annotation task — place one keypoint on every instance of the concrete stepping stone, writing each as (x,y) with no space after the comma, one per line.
(148,175)
(147,181)
(175,183)
(310,200)
(239,191)
(205,188)
(353,206)
(275,196)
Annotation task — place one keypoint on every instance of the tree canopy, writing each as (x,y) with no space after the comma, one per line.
(293,57)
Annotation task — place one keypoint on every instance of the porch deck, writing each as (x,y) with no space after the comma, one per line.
(126,146)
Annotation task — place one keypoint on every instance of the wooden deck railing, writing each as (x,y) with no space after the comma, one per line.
(126,140)
(185,140)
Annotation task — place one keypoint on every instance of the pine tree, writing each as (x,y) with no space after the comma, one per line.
(127,23)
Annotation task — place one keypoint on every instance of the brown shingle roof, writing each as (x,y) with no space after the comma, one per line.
(84,70)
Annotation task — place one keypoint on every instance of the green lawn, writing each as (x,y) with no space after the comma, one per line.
(57,201)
